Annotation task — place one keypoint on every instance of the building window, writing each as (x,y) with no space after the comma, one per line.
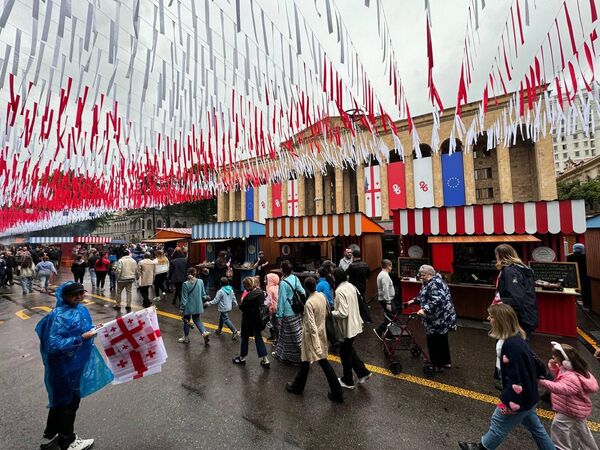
(565,155)
(555,157)
(585,143)
(564,146)
(587,152)
(577,154)
(593,152)
(484,194)
(557,165)
(483,174)
(576,145)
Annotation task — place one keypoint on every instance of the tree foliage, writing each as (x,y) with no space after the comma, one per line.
(587,190)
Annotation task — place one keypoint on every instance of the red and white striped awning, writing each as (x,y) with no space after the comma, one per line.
(564,216)
(93,239)
(351,224)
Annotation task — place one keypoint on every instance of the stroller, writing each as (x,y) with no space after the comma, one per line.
(405,332)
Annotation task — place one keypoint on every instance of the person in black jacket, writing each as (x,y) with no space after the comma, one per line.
(515,286)
(178,274)
(520,371)
(252,325)
(358,273)
(78,269)
(578,256)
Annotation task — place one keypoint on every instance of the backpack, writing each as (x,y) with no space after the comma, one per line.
(363,308)
(298,299)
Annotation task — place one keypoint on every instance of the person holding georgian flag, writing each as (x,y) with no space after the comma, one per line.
(73,366)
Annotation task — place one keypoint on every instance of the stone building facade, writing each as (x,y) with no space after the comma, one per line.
(505,174)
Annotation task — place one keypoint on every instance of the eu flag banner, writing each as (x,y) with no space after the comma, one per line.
(250,204)
(453,177)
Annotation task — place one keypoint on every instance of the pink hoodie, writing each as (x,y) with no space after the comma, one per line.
(570,392)
(273,291)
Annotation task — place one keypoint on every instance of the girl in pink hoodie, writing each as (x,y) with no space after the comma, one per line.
(272,282)
(570,394)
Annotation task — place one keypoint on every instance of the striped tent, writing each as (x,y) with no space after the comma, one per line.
(228,230)
(351,224)
(564,216)
(93,239)
(50,240)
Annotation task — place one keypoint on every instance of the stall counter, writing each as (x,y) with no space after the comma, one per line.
(556,310)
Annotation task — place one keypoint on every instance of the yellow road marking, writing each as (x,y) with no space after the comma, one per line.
(21,315)
(587,338)
(425,382)
(42,308)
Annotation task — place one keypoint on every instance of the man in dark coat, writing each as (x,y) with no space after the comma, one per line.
(516,287)
(358,273)
(178,274)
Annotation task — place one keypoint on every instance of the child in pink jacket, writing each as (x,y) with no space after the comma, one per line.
(570,394)
(271,301)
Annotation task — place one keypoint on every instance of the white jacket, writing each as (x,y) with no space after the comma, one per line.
(346,313)
(126,269)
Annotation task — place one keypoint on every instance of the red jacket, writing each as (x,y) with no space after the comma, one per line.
(101,265)
(570,392)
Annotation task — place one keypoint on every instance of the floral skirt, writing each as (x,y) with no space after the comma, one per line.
(290,338)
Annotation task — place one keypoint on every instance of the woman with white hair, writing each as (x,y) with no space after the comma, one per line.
(439,317)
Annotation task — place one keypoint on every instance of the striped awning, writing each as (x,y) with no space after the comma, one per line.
(182,231)
(352,224)
(49,239)
(240,229)
(92,239)
(564,216)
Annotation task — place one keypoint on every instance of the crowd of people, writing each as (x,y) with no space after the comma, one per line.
(307,321)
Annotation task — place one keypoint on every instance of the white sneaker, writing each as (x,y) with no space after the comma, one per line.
(344,385)
(206,337)
(183,340)
(81,444)
(362,380)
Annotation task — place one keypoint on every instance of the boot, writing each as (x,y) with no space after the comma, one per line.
(471,446)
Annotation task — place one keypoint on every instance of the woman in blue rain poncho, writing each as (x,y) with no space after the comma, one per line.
(73,365)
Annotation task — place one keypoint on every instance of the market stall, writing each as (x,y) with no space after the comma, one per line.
(308,241)
(176,237)
(240,239)
(459,242)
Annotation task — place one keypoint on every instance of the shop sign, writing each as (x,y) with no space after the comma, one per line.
(543,254)
(414,251)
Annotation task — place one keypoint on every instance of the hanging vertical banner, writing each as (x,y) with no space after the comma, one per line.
(373,191)
(292,198)
(423,182)
(453,176)
(250,204)
(262,203)
(276,200)
(396,185)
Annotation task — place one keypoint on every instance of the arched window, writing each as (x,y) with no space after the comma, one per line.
(159,223)
(184,224)
(425,151)
(149,224)
(446,146)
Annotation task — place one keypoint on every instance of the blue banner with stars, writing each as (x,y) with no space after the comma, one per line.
(250,204)
(453,176)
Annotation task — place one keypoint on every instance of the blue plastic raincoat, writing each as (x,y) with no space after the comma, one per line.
(74,367)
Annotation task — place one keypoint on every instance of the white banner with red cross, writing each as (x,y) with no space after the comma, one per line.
(292,198)
(133,345)
(373,191)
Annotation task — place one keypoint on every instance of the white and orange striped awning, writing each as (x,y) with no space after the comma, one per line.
(351,224)
(564,216)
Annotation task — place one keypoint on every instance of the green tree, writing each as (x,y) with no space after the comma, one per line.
(587,190)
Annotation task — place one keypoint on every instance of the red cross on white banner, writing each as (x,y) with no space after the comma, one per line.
(373,191)
(292,198)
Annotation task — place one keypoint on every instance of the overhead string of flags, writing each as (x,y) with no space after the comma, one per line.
(110,105)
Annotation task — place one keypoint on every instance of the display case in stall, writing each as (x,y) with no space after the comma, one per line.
(240,239)
(309,240)
(460,243)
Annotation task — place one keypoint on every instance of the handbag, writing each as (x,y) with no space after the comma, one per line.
(363,309)
(298,299)
(330,325)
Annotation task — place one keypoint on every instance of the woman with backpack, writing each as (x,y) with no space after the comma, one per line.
(520,372)
(348,325)
(192,306)
(27,274)
(252,324)
(290,320)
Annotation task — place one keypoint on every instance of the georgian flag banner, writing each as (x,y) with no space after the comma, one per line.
(133,345)
(292,198)
(373,191)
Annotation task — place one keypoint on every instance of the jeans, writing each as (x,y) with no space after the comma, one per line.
(260,345)
(61,421)
(334,385)
(27,284)
(44,280)
(502,424)
(197,321)
(145,298)
(225,320)
(100,278)
(351,361)
(92,276)
(113,280)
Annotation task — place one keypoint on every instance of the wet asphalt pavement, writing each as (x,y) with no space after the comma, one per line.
(201,400)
